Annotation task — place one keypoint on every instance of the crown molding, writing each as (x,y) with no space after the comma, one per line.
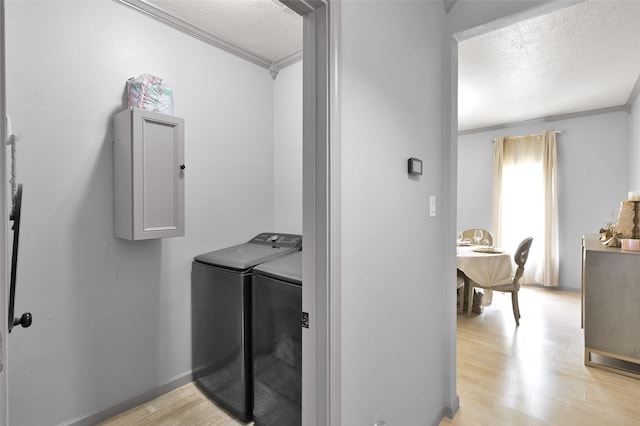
(448,5)
(304,7)
(543,9)
(633,96)
(545,119)
(288,60)
(278,65)
(162,16)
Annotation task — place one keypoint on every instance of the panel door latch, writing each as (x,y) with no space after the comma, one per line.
(305,319)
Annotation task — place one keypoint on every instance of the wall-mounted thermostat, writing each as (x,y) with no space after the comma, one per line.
(414,166)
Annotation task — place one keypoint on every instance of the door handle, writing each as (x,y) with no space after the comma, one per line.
(26,319)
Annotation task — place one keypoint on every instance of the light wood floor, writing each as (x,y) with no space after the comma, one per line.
(530,375)
(535,374)
(185,406)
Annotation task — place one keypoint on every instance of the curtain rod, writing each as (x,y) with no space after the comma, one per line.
(559,132)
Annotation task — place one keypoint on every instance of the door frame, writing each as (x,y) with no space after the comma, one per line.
(4,391)
(320,208)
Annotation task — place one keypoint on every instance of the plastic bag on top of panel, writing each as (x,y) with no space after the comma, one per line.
(150,92)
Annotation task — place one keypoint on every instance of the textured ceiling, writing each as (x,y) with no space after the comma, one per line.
(265,28)
(580,58)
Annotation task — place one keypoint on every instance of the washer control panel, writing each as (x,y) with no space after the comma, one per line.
(278,240)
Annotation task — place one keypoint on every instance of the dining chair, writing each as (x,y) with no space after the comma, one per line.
(461,277)
(520,257)
(487,237)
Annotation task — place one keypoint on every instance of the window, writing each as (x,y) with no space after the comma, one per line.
(525,202)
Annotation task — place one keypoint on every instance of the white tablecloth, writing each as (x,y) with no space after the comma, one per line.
(486,269)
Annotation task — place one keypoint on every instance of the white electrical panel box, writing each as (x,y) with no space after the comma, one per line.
(148,157)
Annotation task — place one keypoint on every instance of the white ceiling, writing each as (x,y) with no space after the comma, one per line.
(263,31)
(580,58)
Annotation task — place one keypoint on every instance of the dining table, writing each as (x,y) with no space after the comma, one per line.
(485,265)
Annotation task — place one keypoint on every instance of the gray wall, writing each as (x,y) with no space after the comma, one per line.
(397,276)
(112,317)
(288,149)
(592,180)
(391,79)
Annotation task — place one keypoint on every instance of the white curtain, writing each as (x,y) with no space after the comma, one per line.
(525,201)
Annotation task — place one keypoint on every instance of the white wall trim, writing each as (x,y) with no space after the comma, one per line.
(288,60)
(546,119)
(4,223)
(320,374)
(448,5)
(633,95)
(450,211)
(543,9)
(166,18)
(335,240)
(275,67)
(107,413)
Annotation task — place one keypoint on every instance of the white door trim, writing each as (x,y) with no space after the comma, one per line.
(321,231)
(334,284)
(4,391)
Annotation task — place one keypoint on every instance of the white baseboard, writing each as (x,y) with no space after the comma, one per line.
(448,411)
(102,415)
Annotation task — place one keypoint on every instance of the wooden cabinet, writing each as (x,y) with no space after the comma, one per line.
(611,307)
(148,157)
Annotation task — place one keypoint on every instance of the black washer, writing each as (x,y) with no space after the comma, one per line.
(221,318)
(277,342)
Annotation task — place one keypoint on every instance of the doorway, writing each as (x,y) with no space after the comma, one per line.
(480,28)
(317,87)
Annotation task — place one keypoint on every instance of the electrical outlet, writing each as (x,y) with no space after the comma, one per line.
(432,206)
